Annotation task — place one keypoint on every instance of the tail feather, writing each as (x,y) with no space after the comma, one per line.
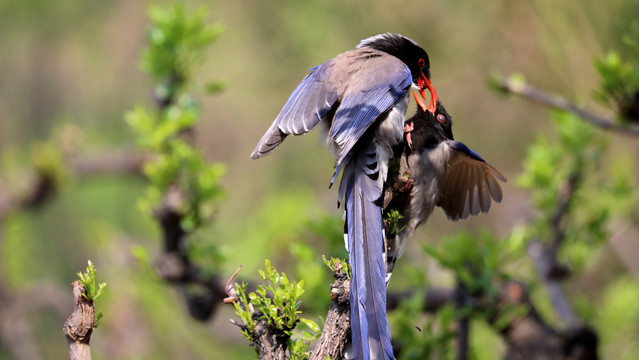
(369,324)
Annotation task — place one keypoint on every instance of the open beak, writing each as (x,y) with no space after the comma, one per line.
(424,83)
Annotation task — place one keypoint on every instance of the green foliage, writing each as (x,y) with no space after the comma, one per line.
(550,162)
(309,268)
(571,162)
(242,307)
(478,263)
(92,290)
(393,220)
(177,42)
(424,337)
(330,229)
(618,318)
(277,302)
(48,161)
(281,311)
(335,264)
(619,77)
(476,260)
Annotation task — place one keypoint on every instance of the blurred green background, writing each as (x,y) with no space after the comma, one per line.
(69,71)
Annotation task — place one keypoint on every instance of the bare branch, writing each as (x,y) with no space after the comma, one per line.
(529,92)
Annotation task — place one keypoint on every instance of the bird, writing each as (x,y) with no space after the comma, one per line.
(440,172)
(360,98)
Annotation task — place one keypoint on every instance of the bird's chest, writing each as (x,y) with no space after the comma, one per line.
(392,127)
(427,169)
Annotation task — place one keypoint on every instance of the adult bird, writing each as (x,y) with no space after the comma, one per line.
(443,172)
(360,97)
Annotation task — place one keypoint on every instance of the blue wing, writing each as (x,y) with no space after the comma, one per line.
(469,183)
(308,104)
(361,107)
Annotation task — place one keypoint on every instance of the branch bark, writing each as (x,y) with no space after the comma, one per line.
(337,328)
(80,324)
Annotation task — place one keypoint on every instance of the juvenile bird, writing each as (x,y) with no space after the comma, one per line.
(441,172)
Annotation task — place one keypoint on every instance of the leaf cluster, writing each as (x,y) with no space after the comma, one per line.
(476,260)
(335,264)
(393,219)
(566,168)
(92,289)
(619,87)
(177,42)
(431,338)
(277,302)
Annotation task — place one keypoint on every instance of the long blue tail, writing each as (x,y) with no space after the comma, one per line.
(369,325)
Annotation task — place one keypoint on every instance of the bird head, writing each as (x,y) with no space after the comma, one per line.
(430,129)
(414,57)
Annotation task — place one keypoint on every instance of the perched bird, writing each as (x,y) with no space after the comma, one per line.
(442,172)
(360,97)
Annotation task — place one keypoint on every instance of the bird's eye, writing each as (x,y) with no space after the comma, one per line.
(421,62)
(441,118)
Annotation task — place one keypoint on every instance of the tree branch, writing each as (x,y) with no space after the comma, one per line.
(40,187)
(543,261)
(337,328)
(529,92)
(80,324)
(545,256)
(463,327)
(202,292)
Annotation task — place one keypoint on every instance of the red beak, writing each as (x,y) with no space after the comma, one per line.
(424,83)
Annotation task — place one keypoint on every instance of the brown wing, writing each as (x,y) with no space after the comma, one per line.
(468,186)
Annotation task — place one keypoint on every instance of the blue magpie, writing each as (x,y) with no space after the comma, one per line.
(360,98)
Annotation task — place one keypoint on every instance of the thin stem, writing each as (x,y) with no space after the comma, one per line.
(542,97)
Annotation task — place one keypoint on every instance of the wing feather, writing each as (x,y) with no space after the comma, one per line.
(468,184)
(305,108)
